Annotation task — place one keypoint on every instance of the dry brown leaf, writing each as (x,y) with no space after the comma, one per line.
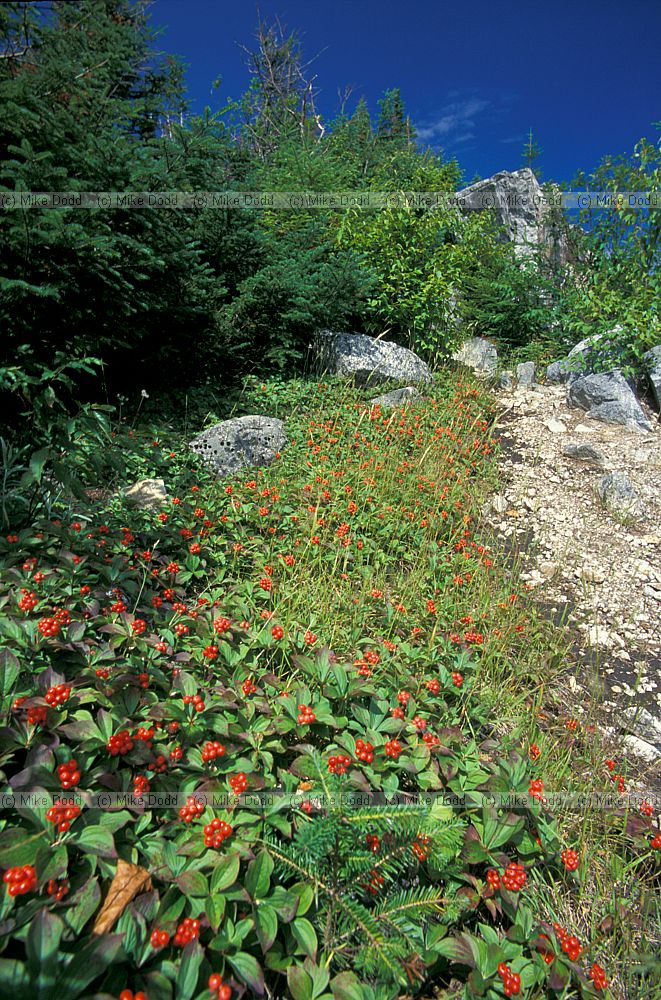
(129,880)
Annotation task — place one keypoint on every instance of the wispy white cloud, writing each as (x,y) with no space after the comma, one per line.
(511,139)
(455,122)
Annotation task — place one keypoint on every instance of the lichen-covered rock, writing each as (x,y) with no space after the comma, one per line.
(617,493)
(608,397)
(581,452)
(398,397)
(520,207)
(368,360)
(526,372)
(558,371)
(147,494)
(234,444)
(478,354)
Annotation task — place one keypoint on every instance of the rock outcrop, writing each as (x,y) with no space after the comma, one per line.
(608,397)
(479,354)
(235,444)
(521,209)
(368,360)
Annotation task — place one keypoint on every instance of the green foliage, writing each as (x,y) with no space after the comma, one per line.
(508,298)
(616,288)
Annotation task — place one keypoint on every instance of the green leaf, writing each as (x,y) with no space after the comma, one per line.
(17,847)
(41,945)
(299,982)
(37,462)
(189,970)
(96,840)
(86,964)
(248,970)
(304,933)
(258,875)
(266,926)
(10,668)
(193,884)
(224,874)
(347,986)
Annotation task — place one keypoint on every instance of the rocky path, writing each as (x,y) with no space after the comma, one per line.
(580,502)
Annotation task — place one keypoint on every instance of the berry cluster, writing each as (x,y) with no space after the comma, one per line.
(339,763)
(248,687)
(196,700)
(220,989)
(306,716)
(421,847)
(139,626)
(277,632)
(69,774)
(238,783)
(375,882)
(598,977)
(393,748)
(159,938)
(187,931)
(62,814)
(419,723)
(216,832)
(192,809)
(20,880)
(58,694)
(514,877)
(221,625)
(536,789)
(130,995)
(373,843)
(569,859)
(28,601)
(364,751)
(569,944)
(120,743)
(57,888)
(49,627)
(493,879)
(212,750)
(457,679)
(433,686)
(140,785)
(511,980)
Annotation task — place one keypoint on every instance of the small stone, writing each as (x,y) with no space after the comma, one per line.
(506,380)
(147,494)
(548,569)
(599,636)
(617,493)
(582,429)
(525,373)
(584,453)
(591,575)
(555,426)
(499,504)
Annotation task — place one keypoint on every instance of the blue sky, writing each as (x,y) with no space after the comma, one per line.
(584,75)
